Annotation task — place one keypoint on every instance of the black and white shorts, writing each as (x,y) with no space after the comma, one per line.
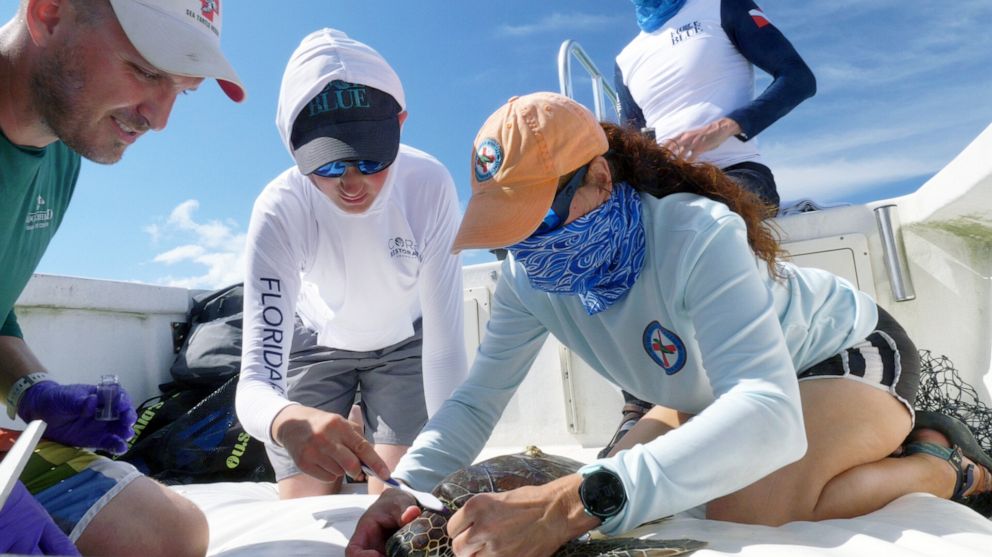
(886,359)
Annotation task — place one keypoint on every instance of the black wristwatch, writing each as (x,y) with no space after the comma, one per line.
(602,494)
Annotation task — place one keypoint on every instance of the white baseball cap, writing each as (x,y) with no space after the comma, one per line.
(180,37)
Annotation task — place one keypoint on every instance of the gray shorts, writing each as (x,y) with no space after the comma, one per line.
(390,381)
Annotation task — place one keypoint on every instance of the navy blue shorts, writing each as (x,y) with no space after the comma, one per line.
(757,178)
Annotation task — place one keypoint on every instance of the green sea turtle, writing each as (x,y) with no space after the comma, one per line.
(426,536)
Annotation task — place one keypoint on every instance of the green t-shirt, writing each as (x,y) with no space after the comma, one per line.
(35,188)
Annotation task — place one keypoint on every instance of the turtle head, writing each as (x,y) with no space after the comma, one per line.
(533,451)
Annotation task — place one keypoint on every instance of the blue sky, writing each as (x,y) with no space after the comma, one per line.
(903,87)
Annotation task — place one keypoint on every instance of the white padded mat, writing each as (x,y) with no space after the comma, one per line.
(248,519)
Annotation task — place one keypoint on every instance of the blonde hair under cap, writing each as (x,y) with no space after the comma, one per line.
(519,155)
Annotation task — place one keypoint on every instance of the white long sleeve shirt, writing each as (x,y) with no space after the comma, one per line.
(704,330)
(360,280)
(699,67)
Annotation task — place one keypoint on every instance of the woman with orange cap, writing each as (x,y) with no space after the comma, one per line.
(661,276)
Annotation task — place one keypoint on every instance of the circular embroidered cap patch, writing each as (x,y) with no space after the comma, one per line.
(488,159)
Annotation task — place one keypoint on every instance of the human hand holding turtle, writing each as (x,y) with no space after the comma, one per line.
(392,510)
(530,521)
(415,533)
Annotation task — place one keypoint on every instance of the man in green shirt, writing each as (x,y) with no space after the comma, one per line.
(85,78)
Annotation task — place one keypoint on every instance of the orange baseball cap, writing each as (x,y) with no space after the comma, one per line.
(519,155)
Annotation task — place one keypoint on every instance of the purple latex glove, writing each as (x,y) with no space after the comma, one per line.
(70,412)
(26,528)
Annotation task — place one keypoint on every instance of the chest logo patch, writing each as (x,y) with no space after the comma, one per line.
(664,347)
(403,247)
(686,32)
(41,217)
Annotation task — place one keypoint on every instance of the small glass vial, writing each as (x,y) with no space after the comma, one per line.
(106,397)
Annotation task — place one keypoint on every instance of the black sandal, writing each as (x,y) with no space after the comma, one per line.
(632,413)
(963,444)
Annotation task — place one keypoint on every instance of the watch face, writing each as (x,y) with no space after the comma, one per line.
(602,494)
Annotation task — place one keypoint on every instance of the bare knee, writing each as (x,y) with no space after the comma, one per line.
(848,425)
(147,519)
(302,485)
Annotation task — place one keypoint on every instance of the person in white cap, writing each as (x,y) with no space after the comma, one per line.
(86,78)
(354,240)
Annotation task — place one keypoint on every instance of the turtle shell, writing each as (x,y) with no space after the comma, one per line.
(426,535)
(503,473)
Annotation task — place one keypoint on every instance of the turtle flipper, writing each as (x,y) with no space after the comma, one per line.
(629,547)
(425,536)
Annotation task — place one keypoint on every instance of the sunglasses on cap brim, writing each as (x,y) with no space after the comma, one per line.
(558,213)
(337,169)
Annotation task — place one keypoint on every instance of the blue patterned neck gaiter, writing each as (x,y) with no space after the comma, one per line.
(652,14)
(598,256)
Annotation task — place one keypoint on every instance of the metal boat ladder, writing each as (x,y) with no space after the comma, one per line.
(600,87)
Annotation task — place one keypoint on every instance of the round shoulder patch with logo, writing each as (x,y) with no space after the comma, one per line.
(488,159)
(665,348)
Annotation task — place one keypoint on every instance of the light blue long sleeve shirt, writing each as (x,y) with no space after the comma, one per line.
(705,330)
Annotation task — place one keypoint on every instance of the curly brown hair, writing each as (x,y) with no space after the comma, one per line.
(639,161)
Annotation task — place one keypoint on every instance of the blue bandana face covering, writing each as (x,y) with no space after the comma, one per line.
(598,256)
(652,14)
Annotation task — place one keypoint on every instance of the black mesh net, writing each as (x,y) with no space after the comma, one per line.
(942,390)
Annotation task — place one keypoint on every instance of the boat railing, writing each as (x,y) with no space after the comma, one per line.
(600,88)
(894,253)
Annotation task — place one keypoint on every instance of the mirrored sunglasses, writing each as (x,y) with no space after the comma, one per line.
(337,169)
(558,213)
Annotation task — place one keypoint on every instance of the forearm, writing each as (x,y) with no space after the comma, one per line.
(16,361)
(267,338)
(271,288)
(445,363)
(767,48)
(289,418)
(578,521)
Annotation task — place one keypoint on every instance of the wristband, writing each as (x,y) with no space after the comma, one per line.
(19,387)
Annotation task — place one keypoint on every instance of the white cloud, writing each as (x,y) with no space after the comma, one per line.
(212,234)
(214,245)
(836,179)
(188,252)
(561,22)
(900,91)
(222,269)
(154,231)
